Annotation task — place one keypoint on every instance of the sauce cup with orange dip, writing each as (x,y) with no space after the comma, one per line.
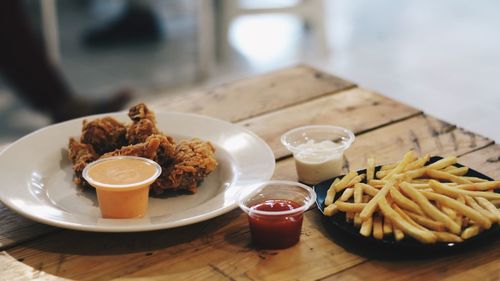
(275,212)
(122,185)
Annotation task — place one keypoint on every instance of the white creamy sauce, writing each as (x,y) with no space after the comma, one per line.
(316,162)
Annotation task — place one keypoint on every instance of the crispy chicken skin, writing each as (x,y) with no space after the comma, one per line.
(104,134)
(159,148)
(144,124)
(80,154)
(193,160)
(141,111)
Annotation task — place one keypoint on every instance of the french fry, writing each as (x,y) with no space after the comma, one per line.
(368,189)
(378,233)
(389,166)
(467,211)
(458,171)
(370,168)
(372,205)
(331,210)
(488,206)
(428,208)
(423,236)
(330,194)
(470,232)
(481,186)
(447,237)
(418,163)
(428,223)
(387,227)
(355,180)
(406,217)
(366,227)
(346,195)
(441,164)
(455,191)
(404,202)
(358,198)
(407,158)
(446,176)
(376,183)
(350,207)
(473,204)
(342,184)
(398,234)
(474,179)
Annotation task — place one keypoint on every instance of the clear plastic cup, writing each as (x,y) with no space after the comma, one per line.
(275,212)
(318,151)
(122,185)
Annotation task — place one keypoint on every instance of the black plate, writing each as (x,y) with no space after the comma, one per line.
(349,235)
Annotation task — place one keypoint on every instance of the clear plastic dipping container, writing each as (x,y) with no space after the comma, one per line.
(122,185)
(318,151)
(275,212)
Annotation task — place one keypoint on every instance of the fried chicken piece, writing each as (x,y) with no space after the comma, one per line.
(80,155)
(141,111)
(193,160)
(159,148)
(104,134)
(144,124)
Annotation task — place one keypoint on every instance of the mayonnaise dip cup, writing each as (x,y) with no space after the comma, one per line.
(318,151)
(122,185)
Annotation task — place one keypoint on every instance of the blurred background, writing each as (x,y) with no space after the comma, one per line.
(439,56)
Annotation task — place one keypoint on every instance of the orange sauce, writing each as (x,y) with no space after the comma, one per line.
(122,185)
(122,171)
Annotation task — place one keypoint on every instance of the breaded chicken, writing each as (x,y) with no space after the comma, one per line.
(193,160)
(183,165)
(104,134)
(80,155)
(159,148)
(143,126)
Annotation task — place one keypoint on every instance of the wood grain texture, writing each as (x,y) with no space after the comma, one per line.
(254,96)
(218,247)
(423,133)
(356,109)
(12,270)
(16,229)
(485,161)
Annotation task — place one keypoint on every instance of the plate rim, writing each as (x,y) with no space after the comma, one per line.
(144,227)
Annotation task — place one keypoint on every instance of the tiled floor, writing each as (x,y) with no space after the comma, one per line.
(440,56)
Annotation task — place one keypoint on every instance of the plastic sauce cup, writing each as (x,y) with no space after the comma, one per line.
(275,212)
(122,185)
(318,151)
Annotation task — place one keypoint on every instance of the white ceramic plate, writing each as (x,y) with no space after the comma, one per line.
(36,176)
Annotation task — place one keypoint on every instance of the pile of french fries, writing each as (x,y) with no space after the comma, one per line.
(431,203)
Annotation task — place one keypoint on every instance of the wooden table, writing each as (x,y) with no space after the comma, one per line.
(220,249)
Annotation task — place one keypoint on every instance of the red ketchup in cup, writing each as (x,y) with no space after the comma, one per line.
(280,231)
(275,212)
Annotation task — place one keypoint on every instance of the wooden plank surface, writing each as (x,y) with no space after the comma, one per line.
(250,97)
(221,245)
(356,109)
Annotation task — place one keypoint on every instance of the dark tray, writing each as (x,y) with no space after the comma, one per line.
(348,235)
